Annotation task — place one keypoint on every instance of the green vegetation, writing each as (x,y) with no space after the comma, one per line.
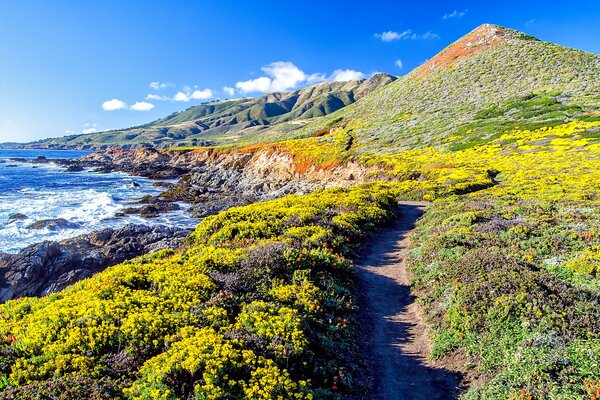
(503,138)
(258,305)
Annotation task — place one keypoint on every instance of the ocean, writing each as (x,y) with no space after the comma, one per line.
(89,200)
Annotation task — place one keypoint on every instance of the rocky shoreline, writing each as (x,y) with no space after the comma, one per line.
(207,182)
(48,267)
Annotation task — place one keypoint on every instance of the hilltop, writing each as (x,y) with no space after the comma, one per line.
(490,81)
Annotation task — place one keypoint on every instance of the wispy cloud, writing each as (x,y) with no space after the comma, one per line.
(186,94)
(399,63)
(531,21)
(142,106)
(390,36)
(455,14)
(408,34)
(88,127)
(282,76)
(152,96)
(114,104)
(156,85)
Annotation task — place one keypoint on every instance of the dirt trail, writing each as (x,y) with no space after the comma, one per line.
(394,337)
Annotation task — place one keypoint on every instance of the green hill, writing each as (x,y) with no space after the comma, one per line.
(487,82)
(230,120)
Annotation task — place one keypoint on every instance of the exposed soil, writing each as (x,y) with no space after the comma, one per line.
(394,336)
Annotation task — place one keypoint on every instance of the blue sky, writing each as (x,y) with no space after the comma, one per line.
(75,66)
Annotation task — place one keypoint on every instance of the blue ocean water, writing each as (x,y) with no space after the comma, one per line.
(87,199)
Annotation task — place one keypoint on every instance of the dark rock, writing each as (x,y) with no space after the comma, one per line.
(74,168)
(48,267)
(53,224)
(149,211)
(17,217)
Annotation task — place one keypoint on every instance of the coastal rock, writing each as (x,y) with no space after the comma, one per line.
(49,266)
(149,211)
(53,224)
(17,217)
(74,168)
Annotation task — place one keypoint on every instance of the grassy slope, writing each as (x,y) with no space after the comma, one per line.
(433,103)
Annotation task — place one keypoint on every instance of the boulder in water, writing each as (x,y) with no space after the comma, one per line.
(17,217)
(53,224)
(149,211)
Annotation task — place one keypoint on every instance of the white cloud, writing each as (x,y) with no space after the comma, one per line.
(455,14)
(343,75)
(69,132)
(390,36)
(426,36)
(93,125)
(90,130)
(187,94)
(281,76)
(159,85)
(531,21)
(142,106)
(262,85)
(284,75)
(203,94)
(114,104)
(399,63)
(316,78)
(229,91)
(157,97)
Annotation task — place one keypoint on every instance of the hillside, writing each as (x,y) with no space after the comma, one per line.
(231,120)
(491,80)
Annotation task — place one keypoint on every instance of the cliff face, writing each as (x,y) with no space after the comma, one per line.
(261,174)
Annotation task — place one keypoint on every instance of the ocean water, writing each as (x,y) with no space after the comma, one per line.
(90,200)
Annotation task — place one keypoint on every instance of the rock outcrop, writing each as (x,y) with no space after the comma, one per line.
(49,266)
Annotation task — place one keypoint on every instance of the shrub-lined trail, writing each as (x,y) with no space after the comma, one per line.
(394,336)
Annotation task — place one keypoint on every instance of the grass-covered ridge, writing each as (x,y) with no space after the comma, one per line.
(431,103)
(257,305)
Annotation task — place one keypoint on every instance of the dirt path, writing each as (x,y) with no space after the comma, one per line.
(394,337)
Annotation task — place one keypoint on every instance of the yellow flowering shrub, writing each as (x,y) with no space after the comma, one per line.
(240,311)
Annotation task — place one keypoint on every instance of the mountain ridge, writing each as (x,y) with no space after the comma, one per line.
(237,116)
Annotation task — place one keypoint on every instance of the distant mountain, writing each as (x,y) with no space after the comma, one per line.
(490,80)
(230,120)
